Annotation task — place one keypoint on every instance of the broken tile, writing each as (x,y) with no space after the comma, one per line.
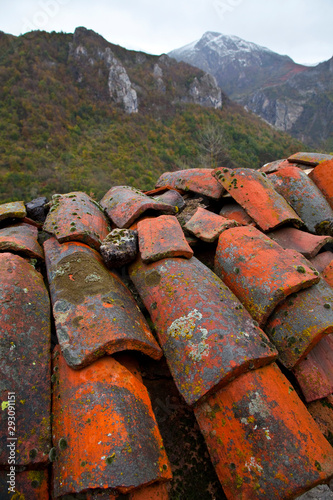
(208,226)
(256,194)
(312,159)
(314,374)
(300,322)
(162,237)
(235,212)
(105,402)
(25,340)
(274,166)
(125,204)
(327,274)
(197,180)
(322,176)
(12,210)
(119,248)
(303,195)
(322,413)
(207,337)
(76,217)
(305,243)
(261,438)
(25,485)
(21,238)
(322,260)
(82,290)
(191,206)
(258,271)
(171,197)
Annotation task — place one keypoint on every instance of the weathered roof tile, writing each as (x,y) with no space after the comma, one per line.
(208,226)
(305,243)
(322,176)
(235,212)
(21,238)
(312,159)
(15,209)
(197,180)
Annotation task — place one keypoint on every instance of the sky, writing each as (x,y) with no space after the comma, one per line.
(301,29)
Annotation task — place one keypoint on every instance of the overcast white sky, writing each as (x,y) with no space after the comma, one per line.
(301,29)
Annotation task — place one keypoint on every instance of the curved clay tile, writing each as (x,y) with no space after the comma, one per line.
(21,238)
(305,243)
(29,485)
(197,180)
(303,195)
(25,339)
(262,439)
(207,336)
(311,159)
(76,217)
(300,322)
(95,314)
(125,204)
(104,430)
(258,271)
(15,209)
(314,374)
(274,166)
(256,194)
(208,226)
(322,176)
(321,260)
(235,212)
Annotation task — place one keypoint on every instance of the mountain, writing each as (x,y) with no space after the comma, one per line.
(293,98)
(80,113)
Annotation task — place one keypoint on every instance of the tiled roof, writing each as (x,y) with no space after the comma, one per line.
(196,316)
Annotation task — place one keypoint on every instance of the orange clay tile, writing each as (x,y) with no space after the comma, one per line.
(125,204)
(314,374)
(25,340)
(258,271)
(235,212)
(94,312)
(162,237)
(300,322)
(322,413)
(255,193)
(104,431)
(274,166)
(322,176)
(162,190)
(208,226)
(21,238)
(197,180)
(262,440)
(305,243)
(26,485)
(76,217)
(15,209)
(156,491)
(327,274)
(322,260)
(207,336)
(303,195)
(312,159)
(172,197)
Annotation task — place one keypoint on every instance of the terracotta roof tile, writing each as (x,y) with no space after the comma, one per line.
(171,197)
(315,373)
(162,237)
(27,485)
(124,205)
(305,243)
(15,209)
(322,176)
(235,212)
(76,217)
(274,166)
(206,335)
(197,180)
(312,159)
(110,405)
(255,193)
(208,226)
(303,195)
(262,439)
(83,289)
(259,272)
(25,339)
(22,239)
(321,260)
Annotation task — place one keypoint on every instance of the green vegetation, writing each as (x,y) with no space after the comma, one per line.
(59,132)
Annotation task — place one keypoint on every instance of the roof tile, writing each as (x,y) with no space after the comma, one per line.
(305,243)
(162,237)
(303,195)
(321,260)
(256,194)
(274,166)
(207,225)
(25,361)
(83,289)
(29,485)
(21,238)
(125,204)
(110,405)
(76,217)
(15,209)
(312,159)
(258,271)
(171,197)
(235,212)
(207,336)
(261,438)
(322,176)
(197,180)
